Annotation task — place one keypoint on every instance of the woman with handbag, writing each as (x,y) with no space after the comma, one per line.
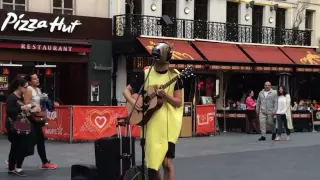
(18,127)
(34,96)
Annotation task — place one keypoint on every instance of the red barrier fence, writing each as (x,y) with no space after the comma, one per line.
(58,123)
(81,122)
(205,120)
(93,122)
(3,118)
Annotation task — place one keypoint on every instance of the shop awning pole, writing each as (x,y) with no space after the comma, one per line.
(224,104)
(194,102)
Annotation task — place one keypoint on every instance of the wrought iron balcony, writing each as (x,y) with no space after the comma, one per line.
(135,25)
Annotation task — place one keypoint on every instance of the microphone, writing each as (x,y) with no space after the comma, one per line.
(155,53)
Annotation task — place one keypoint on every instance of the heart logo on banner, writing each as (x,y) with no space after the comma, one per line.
(100,120)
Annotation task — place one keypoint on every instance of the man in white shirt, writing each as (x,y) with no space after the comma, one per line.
(266,107)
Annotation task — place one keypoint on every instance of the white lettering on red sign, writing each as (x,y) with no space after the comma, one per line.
(42,47)
(51,131)
(31,25)
(51,115)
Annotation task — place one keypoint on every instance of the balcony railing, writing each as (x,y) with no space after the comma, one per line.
(135,25)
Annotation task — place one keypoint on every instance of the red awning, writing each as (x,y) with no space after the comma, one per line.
(222,52)
(181,49)
(266,54)
(302,56)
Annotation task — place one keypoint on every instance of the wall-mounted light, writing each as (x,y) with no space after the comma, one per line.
(271,20)
(247,17)
(11,65)
(250,4)
(45,65)
(186,10)
(217,93)
(274,7)
(153,7)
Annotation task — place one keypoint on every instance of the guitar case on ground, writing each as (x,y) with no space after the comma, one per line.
(113,155)
(84,172)
(135,173)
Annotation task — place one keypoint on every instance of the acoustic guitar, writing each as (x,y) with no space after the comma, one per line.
(152,102)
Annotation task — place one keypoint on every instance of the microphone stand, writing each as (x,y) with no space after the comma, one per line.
(144,108)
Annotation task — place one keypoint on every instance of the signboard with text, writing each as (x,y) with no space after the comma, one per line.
(205,119)
(31,25)
(3,82)
(44,47)
(45,25)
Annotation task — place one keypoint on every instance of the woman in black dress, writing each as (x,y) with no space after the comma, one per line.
(21,145)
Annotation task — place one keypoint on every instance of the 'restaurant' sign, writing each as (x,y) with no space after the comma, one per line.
(44,47)
(30,25)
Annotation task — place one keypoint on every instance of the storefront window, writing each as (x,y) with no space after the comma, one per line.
(63,7)
(14,5)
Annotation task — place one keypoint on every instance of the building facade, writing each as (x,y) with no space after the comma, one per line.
(91,8)
(277,23)
(72,55)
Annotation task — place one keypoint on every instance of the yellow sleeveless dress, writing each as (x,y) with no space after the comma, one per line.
(165,124)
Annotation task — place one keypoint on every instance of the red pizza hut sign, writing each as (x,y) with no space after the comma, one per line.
(30,25)
(43,47)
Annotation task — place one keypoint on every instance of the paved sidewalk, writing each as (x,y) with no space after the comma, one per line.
(225,157)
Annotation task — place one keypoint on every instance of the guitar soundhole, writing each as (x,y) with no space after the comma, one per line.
(146,100)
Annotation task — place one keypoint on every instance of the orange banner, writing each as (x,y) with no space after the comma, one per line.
(94,122)
(135,131)
(205,119)
(58,123)
(3,116)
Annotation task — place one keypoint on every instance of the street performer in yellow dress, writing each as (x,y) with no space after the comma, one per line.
(163,129)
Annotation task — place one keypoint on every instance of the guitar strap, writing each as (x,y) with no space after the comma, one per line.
(177,72)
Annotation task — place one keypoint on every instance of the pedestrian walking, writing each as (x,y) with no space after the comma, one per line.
(251,113)
(20,132)
(34,96)
(283,114)
(266,107)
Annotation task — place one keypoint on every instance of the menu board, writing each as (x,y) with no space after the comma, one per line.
(3,85)
(3,82)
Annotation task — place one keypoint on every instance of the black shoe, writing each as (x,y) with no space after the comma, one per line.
(21,173)
(273,136)
(262,138)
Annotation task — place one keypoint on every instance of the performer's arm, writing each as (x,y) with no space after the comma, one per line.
(132,88)
(127,92)
(176,99)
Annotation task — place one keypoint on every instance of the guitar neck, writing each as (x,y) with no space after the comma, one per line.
(164,86)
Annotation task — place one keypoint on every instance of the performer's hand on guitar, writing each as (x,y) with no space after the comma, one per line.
(138,104)
(161,92)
